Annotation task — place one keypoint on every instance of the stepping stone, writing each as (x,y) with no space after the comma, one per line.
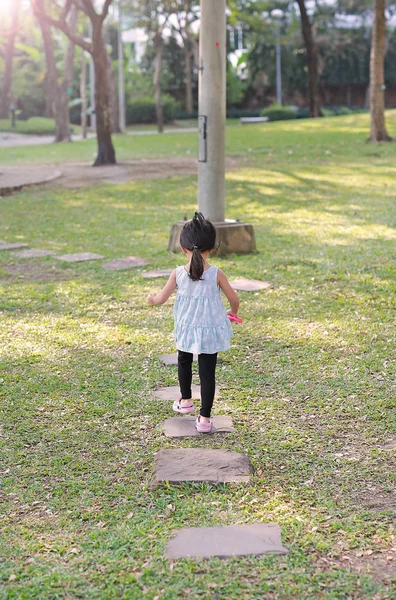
(201,464)
(6,246)
(222,542)
(157,274)
(249,285)
(130,262)
(79,257)
(179,427)
(171,359)
(173,392)
(34,253)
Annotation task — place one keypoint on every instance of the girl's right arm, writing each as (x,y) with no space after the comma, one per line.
(229,292)
(161,297)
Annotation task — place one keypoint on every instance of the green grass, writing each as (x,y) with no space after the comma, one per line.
(309,380)
(302,140)
(34,126)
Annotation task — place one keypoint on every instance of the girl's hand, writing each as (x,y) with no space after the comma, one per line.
(151,299)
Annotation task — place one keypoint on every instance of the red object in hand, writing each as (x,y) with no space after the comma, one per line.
(234,318)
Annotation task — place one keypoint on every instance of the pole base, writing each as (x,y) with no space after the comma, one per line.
(232,237)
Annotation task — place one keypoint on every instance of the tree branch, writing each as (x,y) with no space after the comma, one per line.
(105,10)
(61,24)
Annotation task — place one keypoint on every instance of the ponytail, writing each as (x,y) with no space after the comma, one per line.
(198,235)
(196,265)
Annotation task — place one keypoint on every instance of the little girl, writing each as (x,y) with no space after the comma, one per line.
(201,323)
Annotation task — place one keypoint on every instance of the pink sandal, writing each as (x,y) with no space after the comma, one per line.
(183,410)
(203,427)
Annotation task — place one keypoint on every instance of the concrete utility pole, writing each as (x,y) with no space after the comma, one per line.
(121,86)
(277,14)
(212,109)
(232,236)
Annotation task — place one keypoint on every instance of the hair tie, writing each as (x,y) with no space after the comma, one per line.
(195,247)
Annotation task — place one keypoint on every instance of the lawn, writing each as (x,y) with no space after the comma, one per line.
(33,126)
(309,381)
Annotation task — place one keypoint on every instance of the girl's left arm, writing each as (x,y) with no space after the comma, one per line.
(161,297)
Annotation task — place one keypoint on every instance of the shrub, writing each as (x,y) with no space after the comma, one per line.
(239,113)
(278,113)
(142,110)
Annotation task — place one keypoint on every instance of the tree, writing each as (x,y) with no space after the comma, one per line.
(186,16)
(377,79)
(5,99)
(154,18)
(311,46)
(97,48)
(58,90)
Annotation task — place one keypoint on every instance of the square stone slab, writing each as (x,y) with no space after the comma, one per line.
(34,253)
(157,274)
(249,285)
(79,257)
(171,359)
(223,542)
(173,392)
(201,464)
(7,246)
(179,427)
(121,264)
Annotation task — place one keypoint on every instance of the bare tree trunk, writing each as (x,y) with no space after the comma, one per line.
(188,74)
(312,60)
(57,102)
(114,116)
(159,48)
(97,48)
(377,97)
(83,94)
(106,154)
(9,58)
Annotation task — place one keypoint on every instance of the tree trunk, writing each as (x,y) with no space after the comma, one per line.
(188,75)
(9,57)
(377,97)
(114,115)
(312,60)
(58,100)
(83,94)
(106,154)
(159,48)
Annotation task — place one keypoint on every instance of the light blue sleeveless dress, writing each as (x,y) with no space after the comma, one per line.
(201,322)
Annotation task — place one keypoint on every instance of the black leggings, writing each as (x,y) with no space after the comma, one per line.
(207,376)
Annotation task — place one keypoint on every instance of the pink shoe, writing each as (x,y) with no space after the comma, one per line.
(183,410)
(203,427)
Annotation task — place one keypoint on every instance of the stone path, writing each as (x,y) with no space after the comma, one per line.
(34,253)
(121,264)
(173,392)
(179,427)
(222,542)
(11,246)
(249,285)
(156,274)
(171,359)
(201,464)
(79,257)
(13,179)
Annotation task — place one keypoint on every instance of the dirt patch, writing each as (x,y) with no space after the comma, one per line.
(381,566)
(33,271)
(83,174)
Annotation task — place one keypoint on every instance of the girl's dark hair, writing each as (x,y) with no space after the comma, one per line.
(198,235)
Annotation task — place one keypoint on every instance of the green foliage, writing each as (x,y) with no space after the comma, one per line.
(279,113)
(142,110)
(236,88)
